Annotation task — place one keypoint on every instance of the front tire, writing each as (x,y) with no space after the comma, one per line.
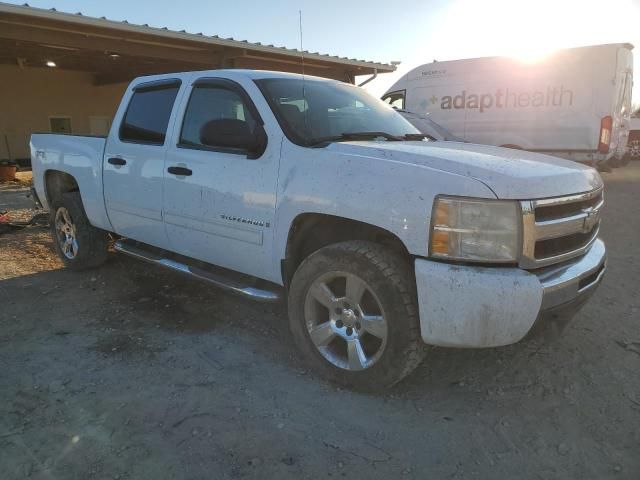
(78,243)
(353,314)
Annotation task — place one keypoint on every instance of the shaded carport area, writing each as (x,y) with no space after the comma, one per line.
(66,72)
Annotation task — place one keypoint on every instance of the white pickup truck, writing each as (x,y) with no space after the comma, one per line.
(273,184)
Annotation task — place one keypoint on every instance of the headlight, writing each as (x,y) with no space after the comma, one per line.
(475,230)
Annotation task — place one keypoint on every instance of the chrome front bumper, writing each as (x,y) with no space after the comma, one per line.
(573,281)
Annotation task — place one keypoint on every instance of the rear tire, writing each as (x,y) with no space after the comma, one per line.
(79,244)
(353,314)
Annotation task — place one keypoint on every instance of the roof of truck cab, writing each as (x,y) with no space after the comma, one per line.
(260,74)
(230,73)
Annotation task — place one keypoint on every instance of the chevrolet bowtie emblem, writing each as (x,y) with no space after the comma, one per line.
(590,220)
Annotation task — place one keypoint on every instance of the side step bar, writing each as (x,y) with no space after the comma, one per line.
(160,257)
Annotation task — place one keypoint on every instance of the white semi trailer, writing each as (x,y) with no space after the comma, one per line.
(574,103)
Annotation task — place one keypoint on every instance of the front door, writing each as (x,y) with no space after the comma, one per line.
(219,204)
(134,163)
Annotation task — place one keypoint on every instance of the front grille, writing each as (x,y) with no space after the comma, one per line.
(553,212)
(562,245)
(558,229)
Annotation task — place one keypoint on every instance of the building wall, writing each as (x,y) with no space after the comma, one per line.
(29,96)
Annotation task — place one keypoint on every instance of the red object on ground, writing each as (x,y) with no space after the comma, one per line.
(7,173)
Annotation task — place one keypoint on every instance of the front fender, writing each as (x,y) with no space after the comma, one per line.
(391,195)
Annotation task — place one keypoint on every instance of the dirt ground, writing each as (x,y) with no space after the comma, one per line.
(132,372)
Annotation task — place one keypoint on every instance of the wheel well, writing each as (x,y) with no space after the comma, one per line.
(510,145)
(56,183)
(310,232)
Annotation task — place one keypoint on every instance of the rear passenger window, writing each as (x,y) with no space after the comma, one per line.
(147,116)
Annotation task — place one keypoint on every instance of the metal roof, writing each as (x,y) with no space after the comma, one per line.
(126,27)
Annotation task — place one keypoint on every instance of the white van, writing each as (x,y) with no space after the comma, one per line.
(575,103)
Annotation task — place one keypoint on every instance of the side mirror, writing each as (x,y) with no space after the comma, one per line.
(231,133)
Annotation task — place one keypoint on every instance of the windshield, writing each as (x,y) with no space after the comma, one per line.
(426,125)
(313,112)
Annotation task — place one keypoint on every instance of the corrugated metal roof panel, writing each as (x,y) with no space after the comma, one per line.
(54,14)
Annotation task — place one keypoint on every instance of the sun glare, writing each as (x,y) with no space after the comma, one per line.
(533,55)
(528,30)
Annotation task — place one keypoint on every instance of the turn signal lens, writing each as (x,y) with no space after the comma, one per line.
(440,238)
(440,243)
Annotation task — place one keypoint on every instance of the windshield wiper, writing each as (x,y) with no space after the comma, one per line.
(345,137)
(418,136)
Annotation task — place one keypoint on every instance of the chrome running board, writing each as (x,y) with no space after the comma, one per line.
(219,279)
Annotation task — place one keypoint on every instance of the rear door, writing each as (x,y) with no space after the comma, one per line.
(219,203)
(134,161)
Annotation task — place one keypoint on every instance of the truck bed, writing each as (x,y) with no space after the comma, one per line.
(77,155)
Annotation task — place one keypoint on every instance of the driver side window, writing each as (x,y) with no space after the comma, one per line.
(216,118)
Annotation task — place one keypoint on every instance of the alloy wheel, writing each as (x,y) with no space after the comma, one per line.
(345,321)
(66,233)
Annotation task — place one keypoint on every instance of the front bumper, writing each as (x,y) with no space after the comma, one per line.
(475,307)
(568,283)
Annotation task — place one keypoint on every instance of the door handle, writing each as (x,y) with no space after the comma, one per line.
(117,161)
(182,171)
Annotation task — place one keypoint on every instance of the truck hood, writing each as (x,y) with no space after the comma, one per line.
(510,173)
